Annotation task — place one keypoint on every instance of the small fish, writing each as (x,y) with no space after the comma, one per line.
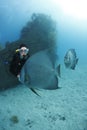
(70,59)
(40,71)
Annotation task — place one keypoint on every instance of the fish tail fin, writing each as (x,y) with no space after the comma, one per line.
(58,70)
(34,92)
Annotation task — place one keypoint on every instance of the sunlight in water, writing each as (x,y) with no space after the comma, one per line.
(73,8)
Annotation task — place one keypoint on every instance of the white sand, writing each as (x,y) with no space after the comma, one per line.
(62,109)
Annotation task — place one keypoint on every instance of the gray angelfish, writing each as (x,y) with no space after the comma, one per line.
(70,59)
(39,71)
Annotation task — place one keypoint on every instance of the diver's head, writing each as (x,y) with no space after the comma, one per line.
(23,50)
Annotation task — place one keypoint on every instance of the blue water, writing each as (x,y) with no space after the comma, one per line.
(72,33)
(62,109)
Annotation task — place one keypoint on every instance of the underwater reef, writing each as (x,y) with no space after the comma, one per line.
(38,34)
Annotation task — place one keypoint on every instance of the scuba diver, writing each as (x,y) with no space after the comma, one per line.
(18,60)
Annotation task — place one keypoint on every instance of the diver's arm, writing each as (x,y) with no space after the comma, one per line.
(14,69)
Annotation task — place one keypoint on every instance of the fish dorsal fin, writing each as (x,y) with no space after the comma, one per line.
(73,52)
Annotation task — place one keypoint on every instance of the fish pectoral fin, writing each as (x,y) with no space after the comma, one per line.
(27,82)
(33,90)
(77,61)
(27,79)
(73,68)
(58,70)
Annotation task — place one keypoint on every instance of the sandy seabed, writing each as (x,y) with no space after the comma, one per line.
(62,109)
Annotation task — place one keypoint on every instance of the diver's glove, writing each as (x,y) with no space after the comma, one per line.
(18,76)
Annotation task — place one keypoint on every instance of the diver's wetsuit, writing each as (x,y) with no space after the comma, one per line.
(17,63)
